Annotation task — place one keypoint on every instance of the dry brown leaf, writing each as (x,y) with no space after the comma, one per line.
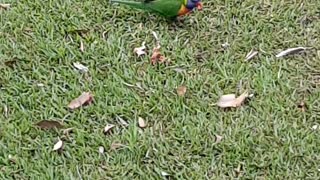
(85,98)
(4,6)
(251,55)
(58,145)
(157,57)
(141,122)
(140,50)
(291,51)
(48,124)
(10,63)
(230,100)
(181,90)
(108,127)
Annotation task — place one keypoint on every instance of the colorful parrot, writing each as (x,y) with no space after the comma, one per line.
(166,8)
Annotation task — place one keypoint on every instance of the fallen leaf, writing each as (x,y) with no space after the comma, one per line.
(230,100)
(84,99)
(5,111)
(164,173)
(10,63)
(179,70)
(101,150)
(67,131)
(225,45)
(251,55)
(40,85)
(12,159)
(291,51)
(4,6)
(140,50)
(314,127)
(302,106)
(181,90)
(81,67)
(115,145)
(58,145)
(108,128)
(122,121)
(218,139)
(81,46)
(157,38)
(141,122)
(48,124)
(157,56)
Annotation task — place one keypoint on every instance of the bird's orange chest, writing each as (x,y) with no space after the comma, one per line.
(183,11)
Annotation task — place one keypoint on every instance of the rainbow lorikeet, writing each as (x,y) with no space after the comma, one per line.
(166,8)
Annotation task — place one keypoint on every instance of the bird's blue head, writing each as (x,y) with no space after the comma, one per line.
(191,4)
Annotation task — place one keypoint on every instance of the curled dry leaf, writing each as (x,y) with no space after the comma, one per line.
(251,55)
(81,67)
(292,51)
(141,122)
(108,127)
(84,99)
(157,56)
(58,145)
(181,90)
(140,50)
(47,124)
(230,100)
(4,6)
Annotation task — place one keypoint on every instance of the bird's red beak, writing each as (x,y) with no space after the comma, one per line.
(199,6)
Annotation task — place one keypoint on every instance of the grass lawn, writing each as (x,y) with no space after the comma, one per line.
(269,137)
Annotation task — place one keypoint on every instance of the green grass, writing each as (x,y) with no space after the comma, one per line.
(267,138)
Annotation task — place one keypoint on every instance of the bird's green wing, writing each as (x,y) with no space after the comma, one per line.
(167,8)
